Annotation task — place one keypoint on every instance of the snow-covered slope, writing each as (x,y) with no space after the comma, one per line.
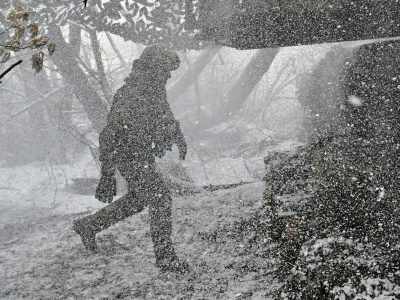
(44,259)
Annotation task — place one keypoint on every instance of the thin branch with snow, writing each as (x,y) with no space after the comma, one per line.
(10,68)
(7,29)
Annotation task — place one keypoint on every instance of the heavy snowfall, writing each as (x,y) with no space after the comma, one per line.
(289,188)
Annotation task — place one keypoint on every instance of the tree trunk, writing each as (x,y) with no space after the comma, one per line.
(64,59)
(75,38)
(245,83)
(116,50)
(60,107)
(101,73)
(38,141)
(181,86)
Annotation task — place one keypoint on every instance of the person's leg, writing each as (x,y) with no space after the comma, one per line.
(161,230)
(152,187)
(120,209)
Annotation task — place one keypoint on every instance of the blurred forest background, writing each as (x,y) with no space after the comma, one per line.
(230,102)
(318,123)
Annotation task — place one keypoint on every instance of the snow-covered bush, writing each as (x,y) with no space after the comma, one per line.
(351,231)
(346,244)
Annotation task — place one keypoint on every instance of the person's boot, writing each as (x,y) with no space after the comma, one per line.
(168,261)
(87,234)
(160,211)
(120,209)
(173,265)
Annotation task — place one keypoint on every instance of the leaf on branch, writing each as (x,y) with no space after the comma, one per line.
(140,26)
(33,30)
(135,9)
(25,16)
(37,61)
(12,16)
(113,5)
(6,57)
(17,13)
(20,32)
(38,42)
(13,45)
(128,5)
(112,14)
(51,48)
(143,11)
(17,24)
(111,10)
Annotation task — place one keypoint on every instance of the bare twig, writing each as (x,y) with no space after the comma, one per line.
(33,103)
(278,77)
(99,65)
(55,181)
(79,25)
(14,47)
(90,71)
(115,48)
(13,92)
(10,68)
(79,136)
(7,29)
(65,175)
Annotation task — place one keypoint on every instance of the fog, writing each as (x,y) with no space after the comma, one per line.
(56,129)
(278,179)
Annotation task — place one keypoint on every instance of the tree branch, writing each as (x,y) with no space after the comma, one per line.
(90,71)
(10,68)
(115,48)
(14,47)
(45,96)
(100,66)
(7,29)
(13,92)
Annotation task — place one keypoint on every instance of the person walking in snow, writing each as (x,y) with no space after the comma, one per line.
(140,127)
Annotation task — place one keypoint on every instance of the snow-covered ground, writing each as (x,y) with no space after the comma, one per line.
(42,258)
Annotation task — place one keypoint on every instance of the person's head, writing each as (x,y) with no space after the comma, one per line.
(161,56)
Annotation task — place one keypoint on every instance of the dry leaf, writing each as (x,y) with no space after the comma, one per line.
(38,42)
(33,29)
(51,48)
(6,57)
(37,61)
(20,32)
(17,24)
(25,16)
(12,16)
(13,45)
(16,13)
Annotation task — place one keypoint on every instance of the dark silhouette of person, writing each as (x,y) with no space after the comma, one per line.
(140,127)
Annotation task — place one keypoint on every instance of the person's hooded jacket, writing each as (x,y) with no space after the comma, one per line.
(141,124)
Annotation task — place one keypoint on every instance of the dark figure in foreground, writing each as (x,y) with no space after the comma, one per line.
(140,127)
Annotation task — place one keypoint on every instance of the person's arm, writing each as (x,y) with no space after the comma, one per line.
(180,141)
(174,130)
(109,137)
(108,140)
(107,187)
